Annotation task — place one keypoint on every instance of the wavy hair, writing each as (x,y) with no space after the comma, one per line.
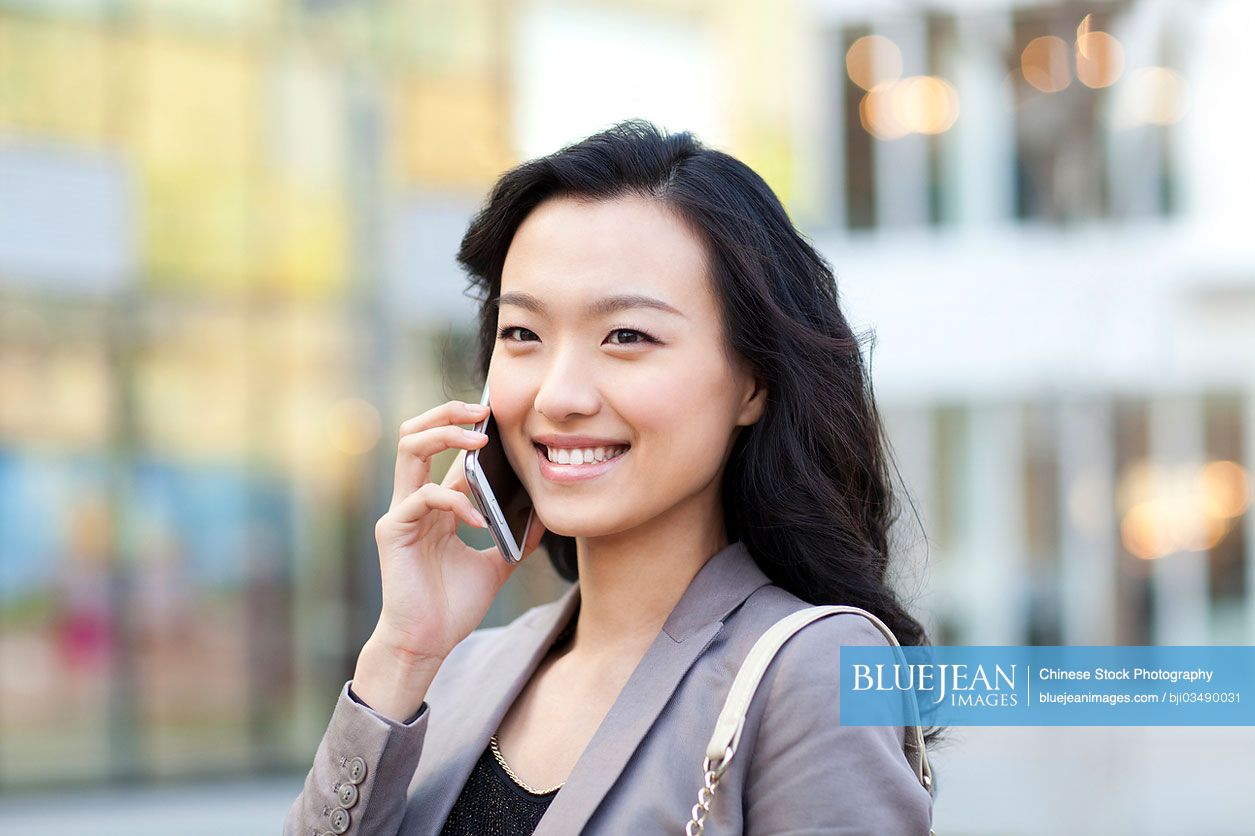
(807,487)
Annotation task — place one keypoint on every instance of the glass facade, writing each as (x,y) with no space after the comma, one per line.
(200,364)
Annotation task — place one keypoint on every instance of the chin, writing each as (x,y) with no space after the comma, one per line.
(571,523)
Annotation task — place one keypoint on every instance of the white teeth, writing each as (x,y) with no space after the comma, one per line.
(585,455)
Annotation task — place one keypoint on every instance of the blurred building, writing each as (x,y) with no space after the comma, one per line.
(226,272)
(218,237)
(1040,211)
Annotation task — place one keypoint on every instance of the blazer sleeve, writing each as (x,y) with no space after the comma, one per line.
(810,775)
(361,773)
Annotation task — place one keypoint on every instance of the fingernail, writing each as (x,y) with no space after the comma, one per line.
(479,519)
(472,435)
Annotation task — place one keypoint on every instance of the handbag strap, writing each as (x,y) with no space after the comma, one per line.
(727,736)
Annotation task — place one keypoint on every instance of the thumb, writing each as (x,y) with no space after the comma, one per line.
(455,477)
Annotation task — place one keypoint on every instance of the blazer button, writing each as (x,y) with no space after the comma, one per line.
(339,820)
(357,770)
(348,795)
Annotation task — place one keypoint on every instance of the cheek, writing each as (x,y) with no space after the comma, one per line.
(508,398)
(683,417)
(510,403)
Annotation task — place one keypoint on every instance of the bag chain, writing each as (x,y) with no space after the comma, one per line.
(707,793)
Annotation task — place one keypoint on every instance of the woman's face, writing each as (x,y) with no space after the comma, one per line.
(608,329)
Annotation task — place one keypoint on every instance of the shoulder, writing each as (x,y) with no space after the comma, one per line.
(817,646)
(806,767)
(800,690)
(818,642)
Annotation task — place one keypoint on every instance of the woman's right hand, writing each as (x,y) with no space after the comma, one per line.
(436,589)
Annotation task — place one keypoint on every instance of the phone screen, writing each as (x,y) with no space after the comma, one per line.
(494,481)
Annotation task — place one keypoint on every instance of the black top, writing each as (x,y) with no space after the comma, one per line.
(491,802)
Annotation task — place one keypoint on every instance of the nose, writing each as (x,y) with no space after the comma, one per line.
(567,389)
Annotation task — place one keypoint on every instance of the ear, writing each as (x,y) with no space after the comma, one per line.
(753,401)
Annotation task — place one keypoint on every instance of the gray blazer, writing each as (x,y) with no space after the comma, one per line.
(797,771)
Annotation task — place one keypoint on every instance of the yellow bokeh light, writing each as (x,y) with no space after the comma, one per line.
(1225,489)
(1044,63)
(1099,59)
(1187,507)
(872,60)
(926,104)
(917,104)
(1202,533)
(1185,527)
(353,426)
(1142,531)
(877,113)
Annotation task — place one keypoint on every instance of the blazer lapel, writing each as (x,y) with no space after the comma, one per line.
(469,723)
(719,587)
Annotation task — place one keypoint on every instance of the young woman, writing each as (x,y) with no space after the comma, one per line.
(687,407)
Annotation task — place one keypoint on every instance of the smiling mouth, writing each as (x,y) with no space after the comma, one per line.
(578,456)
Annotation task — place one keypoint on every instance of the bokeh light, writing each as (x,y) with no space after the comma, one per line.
(1099,59)
(873,60)
(926,104)
(916,104)
(1188,507)
(1044,63)
(1225,489)
(878,115)
(353,426)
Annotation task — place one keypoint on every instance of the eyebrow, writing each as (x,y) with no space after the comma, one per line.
(599,307)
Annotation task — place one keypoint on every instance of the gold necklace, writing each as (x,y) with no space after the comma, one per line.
(496,753)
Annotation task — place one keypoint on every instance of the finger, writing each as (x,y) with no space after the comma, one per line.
(449,412)
(455,476)
(413,471)
(431,497)
(423,445)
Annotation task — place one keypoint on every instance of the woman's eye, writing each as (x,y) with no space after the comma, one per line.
(646,338)
(504,333)
(635,337)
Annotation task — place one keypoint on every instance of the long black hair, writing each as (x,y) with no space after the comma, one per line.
(807,487)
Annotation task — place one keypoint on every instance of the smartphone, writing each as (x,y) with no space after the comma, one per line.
(497,491)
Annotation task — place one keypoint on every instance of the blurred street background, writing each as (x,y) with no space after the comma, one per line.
(227,231)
